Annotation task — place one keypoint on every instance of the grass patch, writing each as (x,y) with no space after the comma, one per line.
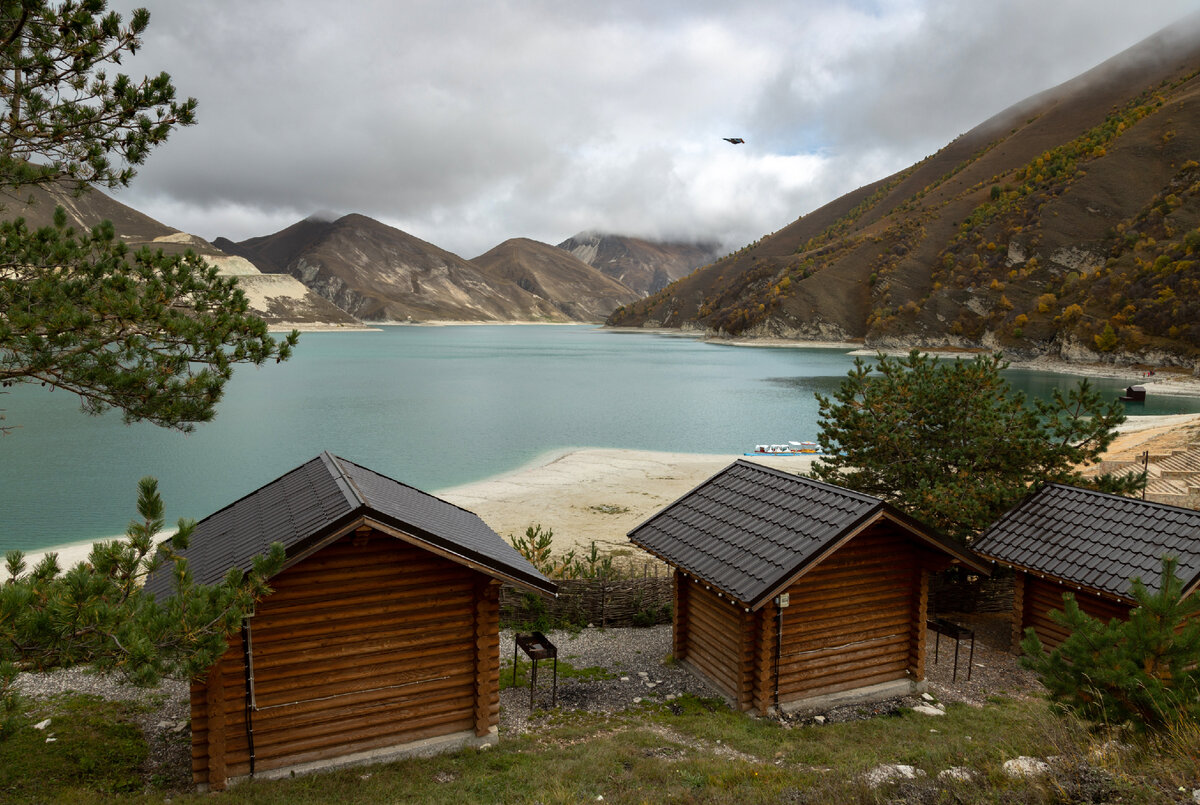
(608,508)
(546,673)
(90,745)
(692,750)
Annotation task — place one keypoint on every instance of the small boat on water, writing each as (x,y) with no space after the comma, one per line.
(789,449)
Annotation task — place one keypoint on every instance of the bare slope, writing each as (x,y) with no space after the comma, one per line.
(581,292)
(380,273)
(280,301)
(1064,225)
(643,265)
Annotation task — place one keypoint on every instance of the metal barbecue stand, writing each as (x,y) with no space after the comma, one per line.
(940,626)
(536,647)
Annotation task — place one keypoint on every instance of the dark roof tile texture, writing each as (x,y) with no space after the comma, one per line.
(749,528)
(325,494)
(1095,540)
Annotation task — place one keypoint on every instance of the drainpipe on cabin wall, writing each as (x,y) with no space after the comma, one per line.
(780,602)
(248,666)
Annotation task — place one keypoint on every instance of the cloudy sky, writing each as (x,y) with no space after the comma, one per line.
(467,123)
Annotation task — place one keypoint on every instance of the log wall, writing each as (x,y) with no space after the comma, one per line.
(718,640)
(370,643)
(1040,596)
(855,620)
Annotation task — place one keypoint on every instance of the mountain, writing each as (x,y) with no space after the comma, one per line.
(581,292)
(1065,225)
(379,273)
(645,266)
(282,302)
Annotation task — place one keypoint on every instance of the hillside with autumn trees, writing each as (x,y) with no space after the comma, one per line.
(1067,225)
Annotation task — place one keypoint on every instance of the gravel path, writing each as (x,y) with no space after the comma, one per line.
(638,655)
(637,666)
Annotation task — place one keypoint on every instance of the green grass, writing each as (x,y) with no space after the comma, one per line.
(90,747)
(692,750)
(546,673)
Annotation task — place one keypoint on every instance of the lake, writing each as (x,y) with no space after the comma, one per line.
(430,406)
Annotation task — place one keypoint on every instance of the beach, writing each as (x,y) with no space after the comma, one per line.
(601,494)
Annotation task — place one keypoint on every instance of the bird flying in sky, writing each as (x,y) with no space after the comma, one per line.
(734,140)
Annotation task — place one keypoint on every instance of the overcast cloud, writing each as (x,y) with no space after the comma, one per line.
(469,123)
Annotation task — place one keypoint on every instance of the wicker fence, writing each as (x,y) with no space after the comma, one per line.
(961,592)
(643,601)
(647,600)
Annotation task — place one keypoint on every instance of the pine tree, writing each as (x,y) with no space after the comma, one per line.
(950,442)
(97,613)
(153,335)
(1143,673)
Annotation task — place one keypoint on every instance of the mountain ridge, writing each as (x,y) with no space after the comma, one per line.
(382,274)
(282,302)
(1029,233)
(646,266)
(580,291)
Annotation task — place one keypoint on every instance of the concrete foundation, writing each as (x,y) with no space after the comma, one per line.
(424,748)
(871,693)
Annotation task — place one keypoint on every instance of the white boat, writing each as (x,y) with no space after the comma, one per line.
(789,449)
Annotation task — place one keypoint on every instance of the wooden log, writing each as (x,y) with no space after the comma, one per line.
(919,616)
(420,732)
(487,650)
(439,674)
(354,594)
(334,727)
(764,658)
(850,682)
(679,617)
(850,634)
(215,706)
(1019,616)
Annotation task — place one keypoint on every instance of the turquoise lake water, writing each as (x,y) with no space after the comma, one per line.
(430,406)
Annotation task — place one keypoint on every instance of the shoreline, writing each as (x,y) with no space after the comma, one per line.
(600,494)
(1175,381)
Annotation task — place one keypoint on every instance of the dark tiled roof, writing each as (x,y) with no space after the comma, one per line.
(1095,540)
(750,528)
(318,499)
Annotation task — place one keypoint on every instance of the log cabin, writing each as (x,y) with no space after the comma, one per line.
(380,638)
(793,594)
(1063,539)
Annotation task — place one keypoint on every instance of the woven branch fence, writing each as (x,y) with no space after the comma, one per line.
(647,600)
(599,601)
(961,592)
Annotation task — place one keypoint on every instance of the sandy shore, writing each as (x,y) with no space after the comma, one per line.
(601,494)
(597,494)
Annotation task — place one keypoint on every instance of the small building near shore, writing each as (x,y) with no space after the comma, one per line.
(380,637)
(791,593)
(1063,539)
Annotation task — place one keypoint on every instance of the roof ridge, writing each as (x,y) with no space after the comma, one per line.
(1122,498)
(354,495)
(422,492)
(808,479)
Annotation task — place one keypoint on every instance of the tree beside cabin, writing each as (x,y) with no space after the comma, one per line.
(1065,539)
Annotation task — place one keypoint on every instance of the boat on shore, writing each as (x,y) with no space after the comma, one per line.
(789,449)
